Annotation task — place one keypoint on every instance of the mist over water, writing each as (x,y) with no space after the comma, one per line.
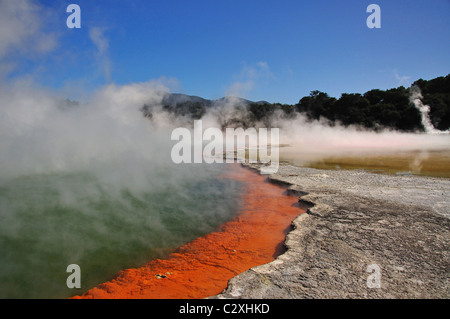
(93,184)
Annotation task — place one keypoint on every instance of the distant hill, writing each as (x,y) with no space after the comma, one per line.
(195,107)
(175,98)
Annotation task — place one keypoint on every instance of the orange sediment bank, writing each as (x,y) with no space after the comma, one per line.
(203,267)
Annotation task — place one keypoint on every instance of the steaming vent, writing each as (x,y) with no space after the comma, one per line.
(416,99)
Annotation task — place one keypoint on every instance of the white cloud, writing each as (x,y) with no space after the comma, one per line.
(402,79)
(21,28)
(248,77)
(239,89)
(97,36)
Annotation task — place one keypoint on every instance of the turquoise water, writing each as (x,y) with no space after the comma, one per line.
(53,220)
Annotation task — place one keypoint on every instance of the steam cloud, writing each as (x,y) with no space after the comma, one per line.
(416,99)
(41,132)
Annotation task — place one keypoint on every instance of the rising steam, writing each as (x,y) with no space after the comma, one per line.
(416,98)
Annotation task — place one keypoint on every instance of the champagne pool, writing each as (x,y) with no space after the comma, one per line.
(50,221)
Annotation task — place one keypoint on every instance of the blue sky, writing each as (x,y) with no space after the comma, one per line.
(276,51)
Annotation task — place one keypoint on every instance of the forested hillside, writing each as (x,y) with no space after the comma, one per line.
(375,109)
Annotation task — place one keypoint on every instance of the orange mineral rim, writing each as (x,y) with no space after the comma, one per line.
(203,267)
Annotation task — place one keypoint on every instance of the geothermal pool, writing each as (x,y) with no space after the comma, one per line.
(50,221)
(435,163)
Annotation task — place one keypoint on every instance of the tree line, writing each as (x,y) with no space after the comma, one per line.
(375,109)
(378,109)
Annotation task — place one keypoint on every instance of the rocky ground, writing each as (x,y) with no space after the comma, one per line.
(364,236)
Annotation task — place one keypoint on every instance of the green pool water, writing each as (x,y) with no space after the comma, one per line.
(51,221)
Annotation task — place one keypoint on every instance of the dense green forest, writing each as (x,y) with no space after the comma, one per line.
(375,109)
(380,109)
